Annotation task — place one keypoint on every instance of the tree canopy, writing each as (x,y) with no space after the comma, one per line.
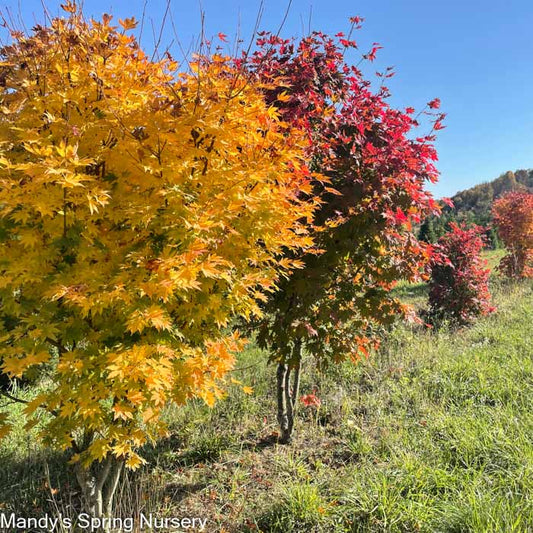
(140,209)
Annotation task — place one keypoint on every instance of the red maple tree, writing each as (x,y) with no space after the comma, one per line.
(513,216)
(459,290)
(371,173)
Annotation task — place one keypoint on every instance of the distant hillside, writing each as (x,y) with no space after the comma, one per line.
(474,205)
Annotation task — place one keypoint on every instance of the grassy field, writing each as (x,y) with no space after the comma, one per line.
(433,433)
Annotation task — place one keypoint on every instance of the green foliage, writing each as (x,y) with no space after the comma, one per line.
(474,205)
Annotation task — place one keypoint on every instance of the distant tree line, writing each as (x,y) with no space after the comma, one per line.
(473,206)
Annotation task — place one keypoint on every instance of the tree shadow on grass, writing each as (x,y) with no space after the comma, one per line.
(411,291)
(262,443)
(29,486)
(179,491)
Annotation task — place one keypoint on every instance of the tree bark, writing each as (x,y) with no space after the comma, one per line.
(98,488)
(283,415)
(287,394)
(112,486)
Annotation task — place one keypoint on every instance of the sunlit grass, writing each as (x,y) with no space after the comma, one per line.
(432,433)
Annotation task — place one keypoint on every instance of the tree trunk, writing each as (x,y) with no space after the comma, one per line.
(283,414)
(287,395)
(98,487)
(111,488)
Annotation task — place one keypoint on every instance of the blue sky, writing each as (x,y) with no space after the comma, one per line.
(476,56)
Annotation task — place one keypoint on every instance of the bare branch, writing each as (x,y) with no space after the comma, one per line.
(285,16)
(167,9)
(142,22)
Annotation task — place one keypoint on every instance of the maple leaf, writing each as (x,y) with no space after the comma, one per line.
(69,7)
(128,23)
(284,97)
(134,461)
(156,316)
(5,429)
(99,449)
(122,411)
(311,400)
(356,20)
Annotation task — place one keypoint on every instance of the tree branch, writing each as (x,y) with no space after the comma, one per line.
(102,477)
(57,344)
(112,487)
(11,397)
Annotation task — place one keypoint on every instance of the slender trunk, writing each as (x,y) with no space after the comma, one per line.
(112,486)
(296,382)
(283,415)
(98,488)
(287,394)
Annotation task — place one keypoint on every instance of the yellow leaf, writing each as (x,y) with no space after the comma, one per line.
(122,411)
(157,317)
(209,398)
(135,397)
(137,322)
(148,414)
(134,461)
(99,449)
(121,449)
(5,429)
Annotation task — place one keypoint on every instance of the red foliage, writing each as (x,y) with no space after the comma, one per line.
(513,216)
(311,400)
(368,152)
(459,290)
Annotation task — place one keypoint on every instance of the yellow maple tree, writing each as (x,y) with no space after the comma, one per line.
(140,209)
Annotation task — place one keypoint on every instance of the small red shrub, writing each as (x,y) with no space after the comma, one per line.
(513,216)
(459,289)
(311,400)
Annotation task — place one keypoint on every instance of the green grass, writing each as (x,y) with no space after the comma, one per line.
(432,433)
(493,257)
